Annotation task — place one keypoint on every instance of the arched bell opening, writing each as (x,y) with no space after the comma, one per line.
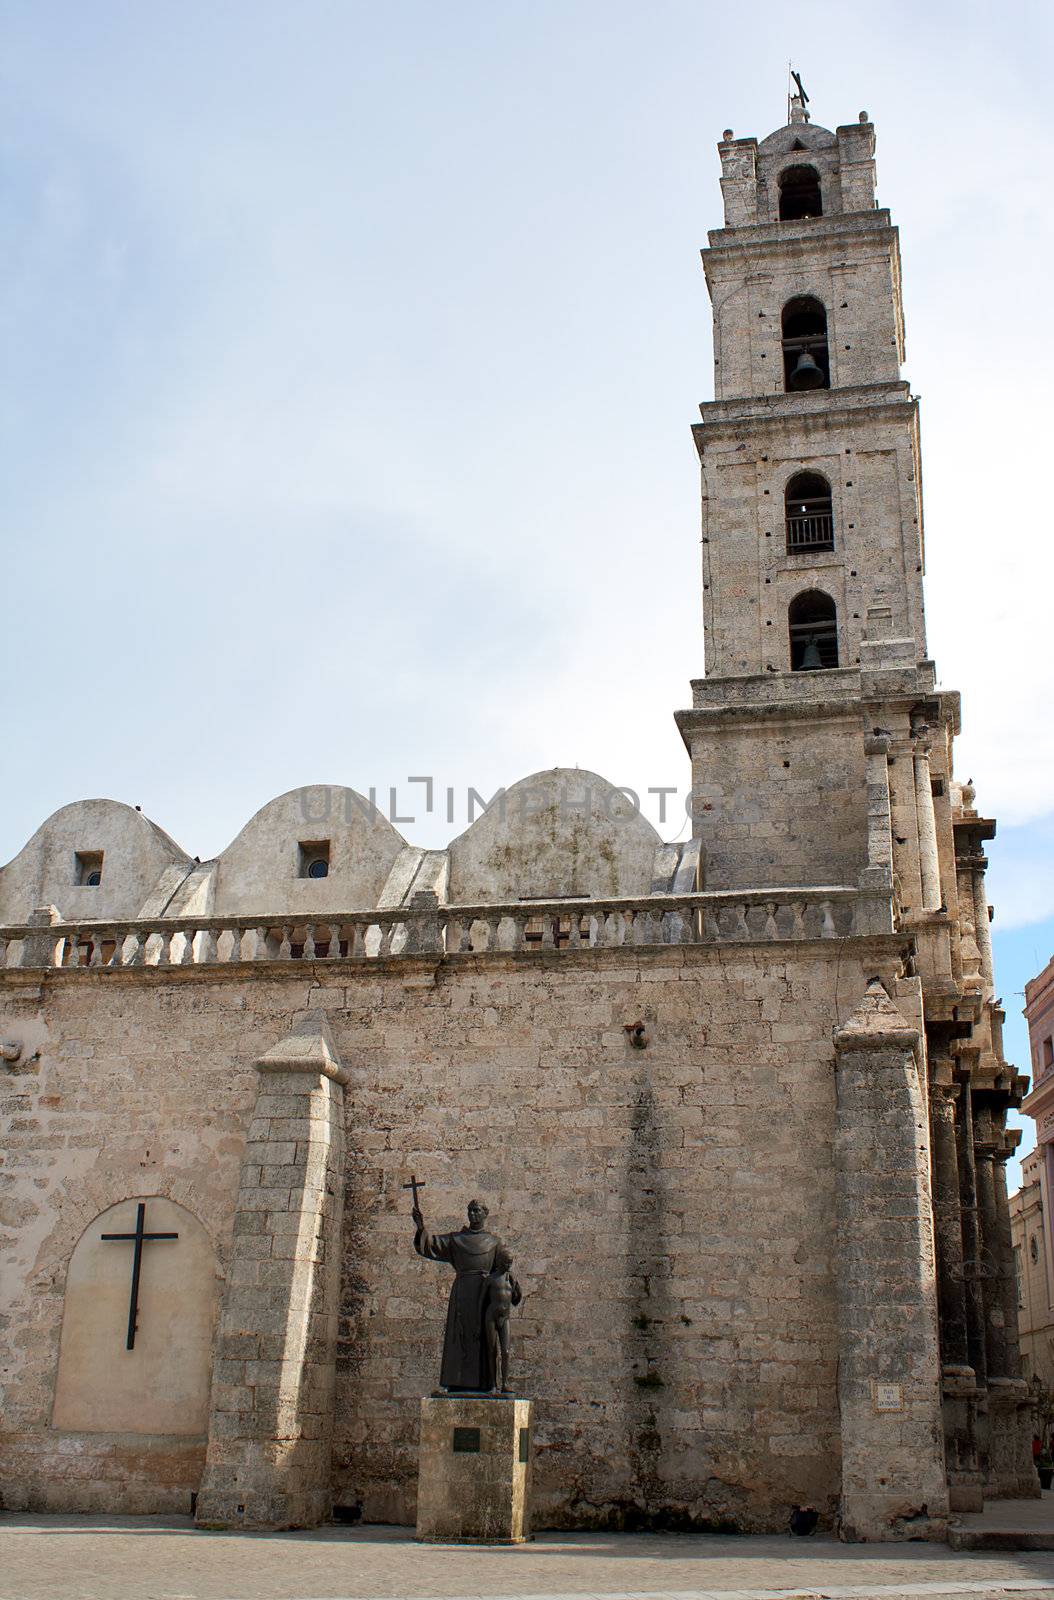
(800,194)
(813,623)
(809,513)
(806,364)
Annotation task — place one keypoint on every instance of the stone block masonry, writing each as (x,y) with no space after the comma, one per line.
(893,1474)
(669,1210)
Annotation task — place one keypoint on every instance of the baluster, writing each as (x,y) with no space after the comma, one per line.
(208,950)
(260,951)
(711,924)
(740,928)
(187,958)
(771,929)
(384,947)
(234,949)
(798,930)
(452,934)
(135,948)
(309,942)
(827,927)
(95,950)
(285,949)
(574,930)
(493,924)
(549,925)
(73,948)
(334,941)
(4,945)
(357,941)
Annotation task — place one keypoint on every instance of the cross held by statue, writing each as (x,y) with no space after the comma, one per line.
(138,1238)
(414,1185)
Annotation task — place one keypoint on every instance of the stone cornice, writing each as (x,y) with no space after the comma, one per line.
(860,405)
(768,239)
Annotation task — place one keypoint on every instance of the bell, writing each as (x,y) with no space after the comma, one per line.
(810,658)
(806,374)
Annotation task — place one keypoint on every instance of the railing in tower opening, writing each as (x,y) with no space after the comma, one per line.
(811,530)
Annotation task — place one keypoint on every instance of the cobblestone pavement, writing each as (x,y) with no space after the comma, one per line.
(165,1558)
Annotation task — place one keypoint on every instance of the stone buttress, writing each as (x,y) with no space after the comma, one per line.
(270,1425)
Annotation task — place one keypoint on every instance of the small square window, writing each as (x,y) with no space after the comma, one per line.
(1048,1052)
(313,858)
(87,868)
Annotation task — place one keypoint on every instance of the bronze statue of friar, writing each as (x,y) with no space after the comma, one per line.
(475,1345)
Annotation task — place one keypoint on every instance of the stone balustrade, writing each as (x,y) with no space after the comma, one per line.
(427,928)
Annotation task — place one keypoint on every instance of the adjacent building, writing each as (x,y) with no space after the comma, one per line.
(1030,1207)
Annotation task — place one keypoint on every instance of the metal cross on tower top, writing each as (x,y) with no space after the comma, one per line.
(138,1238)
(801,97)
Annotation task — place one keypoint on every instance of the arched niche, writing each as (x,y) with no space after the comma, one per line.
(161,1385)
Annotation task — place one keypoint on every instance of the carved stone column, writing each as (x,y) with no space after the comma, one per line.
(947,1223)
(929,859)
(958,1381)
(1010,1471)
(973,1266)
(1007,1279)
(982,928)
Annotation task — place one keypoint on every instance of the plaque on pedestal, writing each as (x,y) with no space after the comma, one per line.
(474,1469)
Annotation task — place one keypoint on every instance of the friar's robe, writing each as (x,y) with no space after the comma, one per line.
(466,1359)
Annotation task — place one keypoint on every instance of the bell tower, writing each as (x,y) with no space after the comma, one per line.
(822,751)
(812,511)
(812,556)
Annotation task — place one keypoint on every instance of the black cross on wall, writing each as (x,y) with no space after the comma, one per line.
(138,1238)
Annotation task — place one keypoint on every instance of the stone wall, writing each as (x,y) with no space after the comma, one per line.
(779,802)
(865,443)
(670,1208)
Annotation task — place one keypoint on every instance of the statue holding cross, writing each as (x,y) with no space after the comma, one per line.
(468,1359)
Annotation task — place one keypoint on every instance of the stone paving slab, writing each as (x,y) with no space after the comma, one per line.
(165,1558)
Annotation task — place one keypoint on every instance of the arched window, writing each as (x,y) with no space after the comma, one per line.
(810,521)
(813,631)
(805,361)
(800,193)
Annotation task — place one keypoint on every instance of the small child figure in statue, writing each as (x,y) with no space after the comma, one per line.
(500,1293)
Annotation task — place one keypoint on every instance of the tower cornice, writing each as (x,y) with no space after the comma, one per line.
(826,408)
(779,237)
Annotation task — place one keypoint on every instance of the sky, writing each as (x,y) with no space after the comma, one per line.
(350,357)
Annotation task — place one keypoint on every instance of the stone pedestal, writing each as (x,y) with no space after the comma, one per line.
(474,1470)
(1011,1475)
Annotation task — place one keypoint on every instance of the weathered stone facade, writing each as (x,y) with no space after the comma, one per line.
(738,1104)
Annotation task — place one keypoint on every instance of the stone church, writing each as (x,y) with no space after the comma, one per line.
(737,1106)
